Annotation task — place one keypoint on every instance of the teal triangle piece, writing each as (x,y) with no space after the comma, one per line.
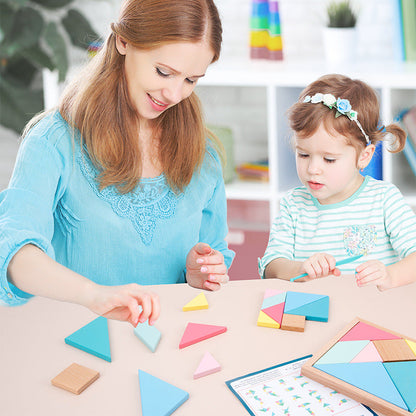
(342,352)
(148,334)
(273,300)
(370,377)
(403,374)
(297,299)
(158,397)
(92,338)
(314,311)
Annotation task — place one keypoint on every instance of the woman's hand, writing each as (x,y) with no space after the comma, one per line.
(124,303)
(205,267)
(320,265)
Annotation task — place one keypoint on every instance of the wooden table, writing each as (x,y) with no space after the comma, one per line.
(33,350)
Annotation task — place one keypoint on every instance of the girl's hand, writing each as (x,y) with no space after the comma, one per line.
(205,268)
(125,303)
(373,272)
(320,265)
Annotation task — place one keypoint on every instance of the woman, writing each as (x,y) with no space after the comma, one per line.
(120,187)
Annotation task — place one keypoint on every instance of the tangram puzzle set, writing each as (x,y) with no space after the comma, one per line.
(370,364)
(158,398)
(289,310)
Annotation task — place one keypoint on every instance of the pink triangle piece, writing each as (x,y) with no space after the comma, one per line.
(362,331)
(367,354)
(275,312)
(208,365)
(271,292)
(198,332)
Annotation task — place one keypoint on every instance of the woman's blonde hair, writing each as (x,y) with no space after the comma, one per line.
(305,118)
(98,105)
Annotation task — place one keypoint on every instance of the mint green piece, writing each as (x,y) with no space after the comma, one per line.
(275,30)
(148,334)
(343,352)
(92,338)
(259,22)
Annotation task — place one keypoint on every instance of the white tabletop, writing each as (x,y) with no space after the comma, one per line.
(33,351)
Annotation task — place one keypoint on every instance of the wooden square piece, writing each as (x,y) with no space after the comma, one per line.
(394,350)
(293,322)
(75,378)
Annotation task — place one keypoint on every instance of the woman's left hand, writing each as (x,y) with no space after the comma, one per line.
(205,268)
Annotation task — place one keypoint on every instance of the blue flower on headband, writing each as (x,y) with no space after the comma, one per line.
(343,106)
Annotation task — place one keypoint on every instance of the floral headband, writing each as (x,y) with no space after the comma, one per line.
(342,106)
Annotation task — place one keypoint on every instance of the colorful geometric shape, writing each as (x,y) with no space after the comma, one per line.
(266,321)
(295,300)
(208,365)
(198,302)
(273,300)
(75,378)
(412,345)
(370,377)
(394,350)
(92,338)
(317,310)
(362,331)
(343,352)
(293,323)
(275,312)
(198,332)
(158,397)
(403,374)
(148,334)
(367,354)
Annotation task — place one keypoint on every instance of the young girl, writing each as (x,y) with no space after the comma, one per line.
(338,214)
(119,187)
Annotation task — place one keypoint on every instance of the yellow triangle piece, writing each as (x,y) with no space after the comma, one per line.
(198,302)
(412,345)
(265,320)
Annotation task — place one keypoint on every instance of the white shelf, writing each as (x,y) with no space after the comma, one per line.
(251,191)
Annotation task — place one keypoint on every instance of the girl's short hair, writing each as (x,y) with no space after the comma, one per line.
(305,118)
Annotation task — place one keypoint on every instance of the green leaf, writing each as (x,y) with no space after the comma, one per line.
(19,71)
(79,29)
(18,105)
(39,57)
(24,32)
(6,19)
(52,4)
(59,53)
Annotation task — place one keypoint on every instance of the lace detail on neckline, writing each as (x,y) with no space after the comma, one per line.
(150,201)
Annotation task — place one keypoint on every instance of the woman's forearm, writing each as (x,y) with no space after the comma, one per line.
(34,272)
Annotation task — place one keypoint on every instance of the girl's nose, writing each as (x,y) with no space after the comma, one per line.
(314,166)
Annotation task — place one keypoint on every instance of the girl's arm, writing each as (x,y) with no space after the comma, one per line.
(283,269)
(33,271)
(403,272)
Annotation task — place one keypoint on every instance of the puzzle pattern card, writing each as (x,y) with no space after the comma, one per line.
(372,365)
(282,390)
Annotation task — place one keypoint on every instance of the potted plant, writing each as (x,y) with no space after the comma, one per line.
(339,35)
(35,34)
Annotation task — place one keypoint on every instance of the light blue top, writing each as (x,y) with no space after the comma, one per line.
(375,221)
(144,236)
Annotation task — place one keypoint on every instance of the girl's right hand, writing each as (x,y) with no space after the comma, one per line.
(320,265)
(125,303)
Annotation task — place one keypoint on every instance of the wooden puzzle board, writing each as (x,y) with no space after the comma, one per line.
(338,359)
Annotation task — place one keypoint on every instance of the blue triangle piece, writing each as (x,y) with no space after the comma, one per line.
(403,374)
(297,299)
(158,397)
(92,338)
(148,334)
(371,377)
(313,311)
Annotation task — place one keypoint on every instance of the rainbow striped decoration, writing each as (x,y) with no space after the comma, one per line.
(265,33)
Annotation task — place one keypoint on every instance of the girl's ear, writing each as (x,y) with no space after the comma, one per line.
(121,45)
(366,156)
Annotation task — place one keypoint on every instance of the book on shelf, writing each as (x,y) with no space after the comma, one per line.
(408,120)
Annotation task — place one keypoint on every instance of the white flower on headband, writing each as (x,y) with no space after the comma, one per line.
(342,105)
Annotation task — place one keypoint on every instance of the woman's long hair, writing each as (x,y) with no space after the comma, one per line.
(97,103)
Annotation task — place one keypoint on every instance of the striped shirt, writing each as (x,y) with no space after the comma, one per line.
(374,221)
